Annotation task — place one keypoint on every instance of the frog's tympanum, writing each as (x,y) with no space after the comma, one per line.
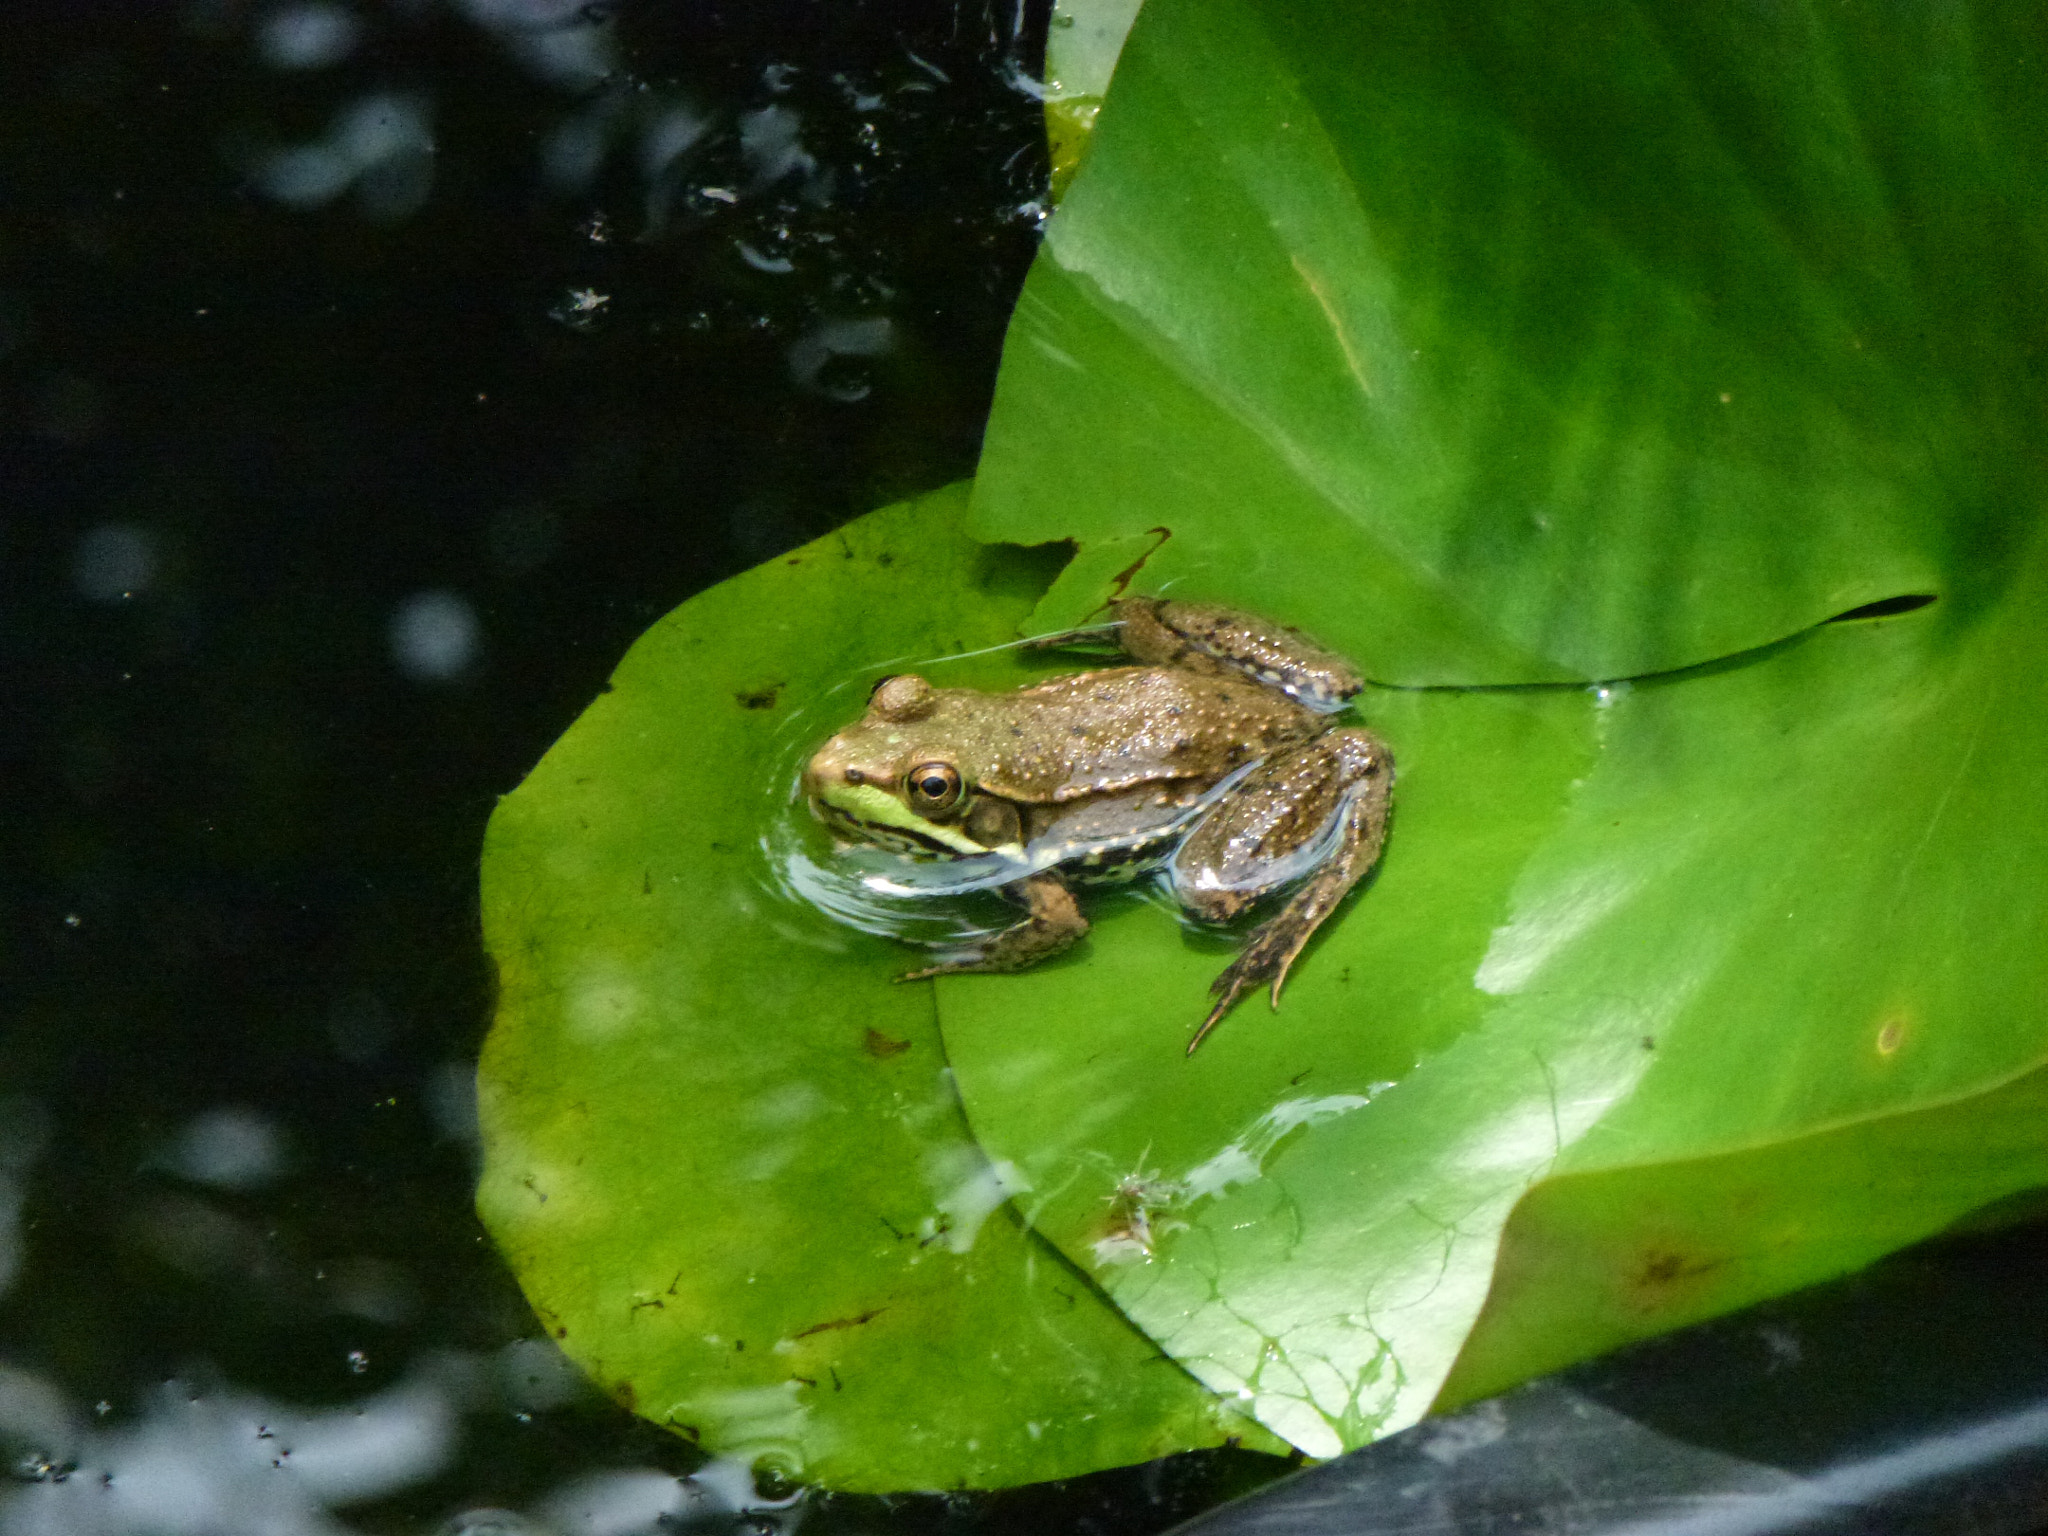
(1215,756)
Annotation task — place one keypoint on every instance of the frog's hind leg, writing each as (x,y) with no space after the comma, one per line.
(1203,637)
(1218,641)
(1053,923)
(1320,808)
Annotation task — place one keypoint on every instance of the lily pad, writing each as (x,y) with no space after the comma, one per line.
(1769,930)
(723,1149)
(1499,346)
(1513,344)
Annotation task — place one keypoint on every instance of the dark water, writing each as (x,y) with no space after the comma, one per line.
(370,377)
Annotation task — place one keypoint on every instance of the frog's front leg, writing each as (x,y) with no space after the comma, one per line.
(1202,637)
(1053,923)
(1321,806)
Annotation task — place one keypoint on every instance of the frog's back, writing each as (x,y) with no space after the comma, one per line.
(1100,731)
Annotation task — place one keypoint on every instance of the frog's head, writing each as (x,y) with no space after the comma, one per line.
(886,779)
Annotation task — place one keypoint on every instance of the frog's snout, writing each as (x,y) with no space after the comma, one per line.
(817,773)
(827,770)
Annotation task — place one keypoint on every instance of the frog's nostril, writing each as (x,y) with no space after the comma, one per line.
(855,776)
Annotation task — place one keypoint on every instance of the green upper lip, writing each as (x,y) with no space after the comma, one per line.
(877,807)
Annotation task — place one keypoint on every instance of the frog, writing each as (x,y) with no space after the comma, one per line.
(1212,753)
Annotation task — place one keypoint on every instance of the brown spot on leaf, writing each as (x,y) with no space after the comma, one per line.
(1120,583)
(840,1322)
(759,698)
(881,1047)
(1663,1268)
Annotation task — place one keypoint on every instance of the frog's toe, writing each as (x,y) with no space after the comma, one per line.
(1236,979)
(1215,1017)
(1267,958)
(1279,967)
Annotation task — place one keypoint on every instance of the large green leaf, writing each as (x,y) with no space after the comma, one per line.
(1507,342)
(1497,345)
(723,1151)
(1755,916)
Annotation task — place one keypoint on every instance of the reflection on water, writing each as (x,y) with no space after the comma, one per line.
(230,1462)
(623,1502)
(801,867)
(860,888)
(435,636)
(381,145)
(115,561)
(229,1148)
(220,1462)
(199,1456)
(311,36)
(24,1128)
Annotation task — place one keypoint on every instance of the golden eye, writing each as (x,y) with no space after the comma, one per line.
(933,788)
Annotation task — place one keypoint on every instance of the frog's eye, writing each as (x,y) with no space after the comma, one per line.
(933,788)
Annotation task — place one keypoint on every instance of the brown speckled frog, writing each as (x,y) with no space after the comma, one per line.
(1215,755)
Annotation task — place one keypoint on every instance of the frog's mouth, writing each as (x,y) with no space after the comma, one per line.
(878,815)
(1121,855)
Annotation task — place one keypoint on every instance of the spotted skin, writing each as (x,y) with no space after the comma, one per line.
(1345,777)
(1213,754)
(1201,637)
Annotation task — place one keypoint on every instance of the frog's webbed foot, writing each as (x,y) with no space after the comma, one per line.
(1201,637)
(1340,786)
(1053,922)
(1270,953)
